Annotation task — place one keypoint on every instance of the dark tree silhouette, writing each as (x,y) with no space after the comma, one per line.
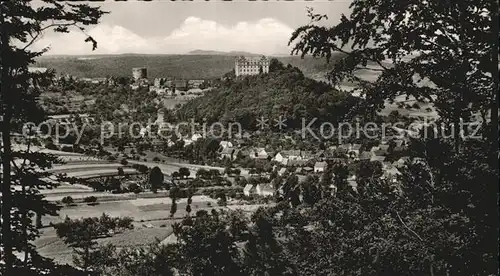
(22,24)
(155,179)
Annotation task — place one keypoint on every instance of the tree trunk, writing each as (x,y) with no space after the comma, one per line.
(6,157)
(38,220)
(494,72)
(6,193)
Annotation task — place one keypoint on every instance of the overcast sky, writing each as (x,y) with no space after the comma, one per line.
(165,27)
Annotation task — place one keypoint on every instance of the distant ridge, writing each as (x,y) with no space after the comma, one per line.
(190,66)
(221,53)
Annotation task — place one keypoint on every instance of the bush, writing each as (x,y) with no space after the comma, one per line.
(124,162)
(156,159)
(90,199)
(51,146)
(67,149)
(67,200)
(135,188)
(125,223)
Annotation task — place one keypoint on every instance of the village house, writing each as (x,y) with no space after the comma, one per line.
(377,158)
(365,155)
(240,142)
(226,144)
(353,184)
(192,139)
(320,155)
(320,167)
(354,151)
(285,156)
(195,83)
(339,160)
(306,155)
(227,153)
(345,147)
(265,189)
(282,171)
(258,153)
(387,165)
(341,151)
(248,190)
(383,150)
(297,163)
(391,174)
(401,162)
(307,169)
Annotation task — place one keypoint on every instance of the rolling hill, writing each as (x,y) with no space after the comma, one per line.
(191,66)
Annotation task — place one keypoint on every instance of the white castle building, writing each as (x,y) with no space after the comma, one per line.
(244,66)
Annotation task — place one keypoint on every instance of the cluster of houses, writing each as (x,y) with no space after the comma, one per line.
(171,87)
(304,163)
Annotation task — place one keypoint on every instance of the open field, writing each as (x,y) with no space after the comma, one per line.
(141,209)
(152,222)
(49,245)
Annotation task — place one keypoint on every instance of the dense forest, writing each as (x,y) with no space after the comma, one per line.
(285,91)
(178,66)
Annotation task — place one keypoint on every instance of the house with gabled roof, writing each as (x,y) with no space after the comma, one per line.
(282,171)
(354,150)
(399,142)
(265,189)
(377,158)
(401,161)
(308,169)
(306,155)
(227,153)
(384,149)
(286,155)
(258,153)
(353,184)
(391,174)
(365,155)
(249,189)
(320,166)
(319,155)
(297,163)
(226,144)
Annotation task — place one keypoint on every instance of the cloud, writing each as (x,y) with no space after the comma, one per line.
(266,36)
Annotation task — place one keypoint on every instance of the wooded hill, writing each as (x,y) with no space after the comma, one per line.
(285,91)
(190,66)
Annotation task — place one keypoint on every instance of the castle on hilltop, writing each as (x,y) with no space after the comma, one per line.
(244,66)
